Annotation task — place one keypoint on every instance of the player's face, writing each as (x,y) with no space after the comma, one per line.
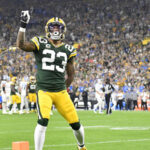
(32,80)
(56,28)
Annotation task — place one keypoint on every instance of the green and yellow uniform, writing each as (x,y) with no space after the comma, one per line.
(32,92)
(13,96)
(51,64)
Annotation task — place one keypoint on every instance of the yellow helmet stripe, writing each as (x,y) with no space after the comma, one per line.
(51,20)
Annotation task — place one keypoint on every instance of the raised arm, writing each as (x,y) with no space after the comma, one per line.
(24,45)
(70,72)
(21,42)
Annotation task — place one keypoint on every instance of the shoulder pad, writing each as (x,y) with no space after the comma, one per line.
(35,40)
(71,49)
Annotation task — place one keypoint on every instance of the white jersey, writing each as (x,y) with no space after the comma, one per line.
(115,92)
(7,87)
(3,84)
(116,87)
(98,90)
(23,88)
(120,95)
(114,96)
(145,96)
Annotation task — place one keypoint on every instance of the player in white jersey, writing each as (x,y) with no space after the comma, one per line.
(5,92)
(99,94)
(145,97)
(24,101)
(114,96)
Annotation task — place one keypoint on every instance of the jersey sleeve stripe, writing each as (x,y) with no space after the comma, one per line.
(36,42)
(74,53)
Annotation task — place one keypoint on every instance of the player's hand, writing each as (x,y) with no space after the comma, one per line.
(24,18)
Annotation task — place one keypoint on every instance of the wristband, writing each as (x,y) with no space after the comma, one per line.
(22,29)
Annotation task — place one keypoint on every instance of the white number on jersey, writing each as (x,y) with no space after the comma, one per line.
(51,59)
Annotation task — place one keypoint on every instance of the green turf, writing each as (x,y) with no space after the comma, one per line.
(119,131)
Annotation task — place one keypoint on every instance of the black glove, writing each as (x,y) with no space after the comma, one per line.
(25,18)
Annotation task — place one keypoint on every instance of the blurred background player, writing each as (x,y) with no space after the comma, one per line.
(99,94)
(5,92)
(114,96)
(24,101)
(145,97)
(32,94)
(14,95)
(108,88)
(120,98)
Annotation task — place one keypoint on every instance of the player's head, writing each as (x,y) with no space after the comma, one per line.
(14,79)
(107,81)
(55,28)
(32,79)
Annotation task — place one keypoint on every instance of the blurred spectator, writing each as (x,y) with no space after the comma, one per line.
(111,37)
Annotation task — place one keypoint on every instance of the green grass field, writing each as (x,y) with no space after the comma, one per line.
(119,131)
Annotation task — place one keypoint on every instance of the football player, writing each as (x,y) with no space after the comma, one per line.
(14,95)
(5,92)
(32,93)
(53,58)
(24,101)
(99,94)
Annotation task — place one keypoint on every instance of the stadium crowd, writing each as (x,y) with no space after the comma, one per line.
(109,36)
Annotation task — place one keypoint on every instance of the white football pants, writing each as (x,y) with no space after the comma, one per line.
(24,102)
(100,104)
(5,99)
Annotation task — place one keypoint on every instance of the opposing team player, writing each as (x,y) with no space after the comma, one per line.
(100,96)
(32,94)
(24,101)
(5,92)
(53,58)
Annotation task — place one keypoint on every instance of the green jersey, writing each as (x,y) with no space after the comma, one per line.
(51,62)
(14,89)
(32,87)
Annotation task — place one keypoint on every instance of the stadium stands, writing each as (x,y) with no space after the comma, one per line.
(111,37)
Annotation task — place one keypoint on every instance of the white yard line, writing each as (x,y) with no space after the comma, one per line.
(130,128)
(91,143)
(86,127)
(109,127)
(18,131)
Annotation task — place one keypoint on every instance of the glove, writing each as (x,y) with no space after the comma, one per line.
(25,18)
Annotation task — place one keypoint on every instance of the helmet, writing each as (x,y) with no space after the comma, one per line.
(32,78)
(14,79)
(56,35)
